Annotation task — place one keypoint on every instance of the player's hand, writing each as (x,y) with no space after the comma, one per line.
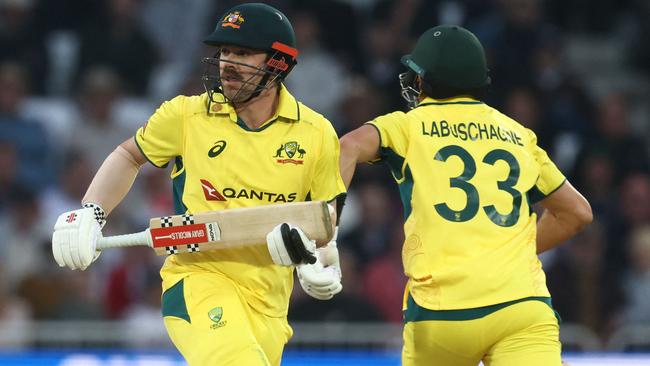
(288,245)
(75,237)
(322,280)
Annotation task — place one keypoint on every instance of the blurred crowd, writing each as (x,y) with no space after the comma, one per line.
(78,77)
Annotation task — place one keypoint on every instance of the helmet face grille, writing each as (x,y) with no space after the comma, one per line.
(271,73)
(409,90)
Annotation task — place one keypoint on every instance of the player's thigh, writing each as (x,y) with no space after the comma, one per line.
(272,334)
(208,321)
(528,334)
(444,343)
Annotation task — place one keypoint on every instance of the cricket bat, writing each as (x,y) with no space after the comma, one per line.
(238,227)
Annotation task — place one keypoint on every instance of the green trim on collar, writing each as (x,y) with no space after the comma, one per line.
(242,124)
(463,99)
(445,103)
(288,106)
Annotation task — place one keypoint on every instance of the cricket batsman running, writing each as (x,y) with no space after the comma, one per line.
(468,176)
(245,142)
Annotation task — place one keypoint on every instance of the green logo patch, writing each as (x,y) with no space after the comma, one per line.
(290,148)
(215,314)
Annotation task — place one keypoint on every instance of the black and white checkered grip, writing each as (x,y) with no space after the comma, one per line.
(188,219)
(166,221)
(100,215)
(171,250)
(193,248)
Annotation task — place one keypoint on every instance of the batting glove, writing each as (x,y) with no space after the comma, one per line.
(322,280)
(75,237)
(288,245)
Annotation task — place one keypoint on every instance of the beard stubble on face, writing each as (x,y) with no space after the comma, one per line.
(238,87)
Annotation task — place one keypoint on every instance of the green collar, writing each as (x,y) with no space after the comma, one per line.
(454,100)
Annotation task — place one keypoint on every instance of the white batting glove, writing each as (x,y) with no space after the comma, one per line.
(288,245)
(322,280)
(74,241)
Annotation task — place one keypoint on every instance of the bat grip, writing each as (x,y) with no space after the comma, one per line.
(142,238)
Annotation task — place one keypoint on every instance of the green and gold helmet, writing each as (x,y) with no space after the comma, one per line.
(257,26)
(446,57)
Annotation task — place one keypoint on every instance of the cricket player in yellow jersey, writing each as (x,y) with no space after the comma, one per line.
(467,176)
(245,142)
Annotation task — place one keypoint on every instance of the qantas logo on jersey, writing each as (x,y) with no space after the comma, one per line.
(292,151)
(212,194)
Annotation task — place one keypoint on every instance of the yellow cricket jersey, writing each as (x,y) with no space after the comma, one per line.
(467,176)
(220,163)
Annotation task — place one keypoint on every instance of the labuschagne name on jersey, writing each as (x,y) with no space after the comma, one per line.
(472,131)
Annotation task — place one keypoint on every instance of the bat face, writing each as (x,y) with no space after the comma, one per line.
(191,233)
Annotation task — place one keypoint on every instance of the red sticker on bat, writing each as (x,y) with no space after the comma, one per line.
(184,235)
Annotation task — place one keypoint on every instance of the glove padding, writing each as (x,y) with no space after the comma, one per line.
(322,280)
(74,241)
(288,245)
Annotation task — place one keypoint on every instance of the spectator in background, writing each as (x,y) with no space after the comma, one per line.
(583,291)
(596,179)
(638,45)
(637,279)
(181,20)
(372,237)
(381,52)
(511,37)
(22,43)
(522,104)
(130,284)
(122,45)
(98,133)
(78,300)
(348,306)
(360,104)
(24,240)
(73,179)
(613,134)
(318,79)
(28,137)
(14,316)
(384,280)
(8,172)
(632,211)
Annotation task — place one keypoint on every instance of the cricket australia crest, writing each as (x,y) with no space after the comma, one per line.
(290,153)
(215,315)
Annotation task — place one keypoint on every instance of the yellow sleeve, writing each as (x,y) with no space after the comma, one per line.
(161,138)
(393,132)
(327,183)
(550,177)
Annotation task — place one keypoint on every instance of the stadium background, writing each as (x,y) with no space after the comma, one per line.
(77,77)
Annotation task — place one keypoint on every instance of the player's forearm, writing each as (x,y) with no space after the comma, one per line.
(347,162)
(114,179)
(358,146)
(552,230)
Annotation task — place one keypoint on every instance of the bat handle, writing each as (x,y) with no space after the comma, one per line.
(142,238)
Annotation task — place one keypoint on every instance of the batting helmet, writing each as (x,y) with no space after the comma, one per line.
(447,57)
(256,26)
